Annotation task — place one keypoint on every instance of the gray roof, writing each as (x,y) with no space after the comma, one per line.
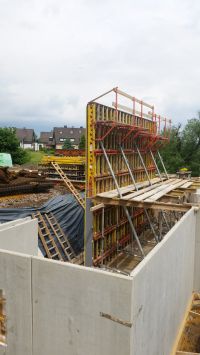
(67,133)
(44,137)
(26,135)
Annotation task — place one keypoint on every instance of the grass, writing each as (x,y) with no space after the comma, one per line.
(35,157)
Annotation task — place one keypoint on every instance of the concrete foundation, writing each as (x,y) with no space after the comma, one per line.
(162,287)
(59,308)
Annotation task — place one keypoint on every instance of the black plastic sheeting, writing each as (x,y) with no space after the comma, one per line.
(69,214)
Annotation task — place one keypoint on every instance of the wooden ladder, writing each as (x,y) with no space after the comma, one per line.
(69,184)
(63,241)
(46,238)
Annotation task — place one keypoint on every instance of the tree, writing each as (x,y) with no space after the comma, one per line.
(171,152)
(67,144)
(191,145)
(183,149)
(82,142)
(9,143)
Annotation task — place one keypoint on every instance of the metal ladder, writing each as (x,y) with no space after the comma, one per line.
(46,238)
(61,237)
(69,184)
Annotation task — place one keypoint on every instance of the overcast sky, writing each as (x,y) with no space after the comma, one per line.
(56,55)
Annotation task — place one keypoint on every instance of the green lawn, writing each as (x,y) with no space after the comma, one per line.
(35,157)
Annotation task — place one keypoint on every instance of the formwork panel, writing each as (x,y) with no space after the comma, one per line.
(111,231)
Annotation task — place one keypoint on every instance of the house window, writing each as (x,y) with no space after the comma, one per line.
(51,139)
(71,132)
(72,139)
(60,132)
(2,318)
(62,139)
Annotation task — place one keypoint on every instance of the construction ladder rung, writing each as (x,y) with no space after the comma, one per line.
(69,184)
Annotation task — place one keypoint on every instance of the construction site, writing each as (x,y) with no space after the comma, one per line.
(100,248)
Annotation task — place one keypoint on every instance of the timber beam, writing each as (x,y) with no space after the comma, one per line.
(184,207)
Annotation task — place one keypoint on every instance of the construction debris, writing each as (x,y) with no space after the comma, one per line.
(23,181)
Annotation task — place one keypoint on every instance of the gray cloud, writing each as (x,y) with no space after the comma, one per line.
(57,55)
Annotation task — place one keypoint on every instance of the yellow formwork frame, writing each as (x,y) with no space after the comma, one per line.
(91,161)
(116,227)
(76,160)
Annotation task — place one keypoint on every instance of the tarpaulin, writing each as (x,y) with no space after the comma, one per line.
(67,211)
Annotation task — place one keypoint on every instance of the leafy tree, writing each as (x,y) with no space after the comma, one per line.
(171,152)
(9,143)
(183,149)
(82,142)
(191,145)
(67,144)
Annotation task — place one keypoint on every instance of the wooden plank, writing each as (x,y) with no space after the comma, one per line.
(164,192)
(97,207)
(154,191)
(126,189)
(143,204)
(146,189)
(186,185)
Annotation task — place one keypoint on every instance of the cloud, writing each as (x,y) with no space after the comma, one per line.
(57,55)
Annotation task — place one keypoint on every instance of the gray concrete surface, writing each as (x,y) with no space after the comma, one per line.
(197,254)
(15,281)
(55,308)
(67,301)
(162,288)
(20,236)
(13,223)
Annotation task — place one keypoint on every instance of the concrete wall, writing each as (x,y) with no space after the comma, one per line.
(67,301)
(15,281)
(54,308)
(162,288)
(20,236)
(197,254)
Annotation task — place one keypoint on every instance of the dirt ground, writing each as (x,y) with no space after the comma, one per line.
(31,200)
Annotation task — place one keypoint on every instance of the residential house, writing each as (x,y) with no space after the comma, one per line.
(60,134)
(27,138)
(46,140)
